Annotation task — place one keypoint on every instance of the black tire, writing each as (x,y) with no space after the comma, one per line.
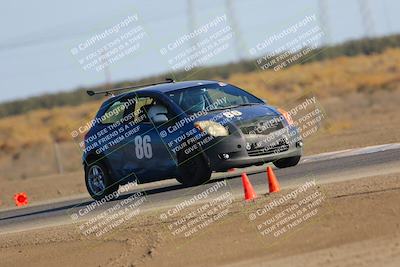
(193,171)
(287,162)
(110,186)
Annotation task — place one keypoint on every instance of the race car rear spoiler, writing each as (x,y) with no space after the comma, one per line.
(109,92)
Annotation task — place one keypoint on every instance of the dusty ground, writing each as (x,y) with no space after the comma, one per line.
(356,224)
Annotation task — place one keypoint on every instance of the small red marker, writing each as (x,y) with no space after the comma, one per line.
(21,199)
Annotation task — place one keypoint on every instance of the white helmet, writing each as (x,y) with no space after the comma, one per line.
(157,112)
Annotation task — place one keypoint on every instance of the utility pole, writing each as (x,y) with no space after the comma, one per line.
(324,20)
(106,69)
(367,19)
(191,22)
(235,28)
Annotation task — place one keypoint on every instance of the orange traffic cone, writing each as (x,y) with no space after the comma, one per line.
(249,193)
(272,181)
(21,199)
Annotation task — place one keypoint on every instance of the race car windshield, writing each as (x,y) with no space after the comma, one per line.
(212,97)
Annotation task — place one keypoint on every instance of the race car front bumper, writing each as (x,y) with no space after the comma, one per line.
(239,150)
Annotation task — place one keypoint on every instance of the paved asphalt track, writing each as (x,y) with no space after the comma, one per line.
(324,168)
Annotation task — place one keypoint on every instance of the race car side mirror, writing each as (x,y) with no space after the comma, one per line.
(265,101)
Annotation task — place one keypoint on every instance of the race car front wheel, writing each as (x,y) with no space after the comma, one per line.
(287,162)
(98,182)
(193,171)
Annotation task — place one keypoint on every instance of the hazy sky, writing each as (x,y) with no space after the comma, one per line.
(37,36)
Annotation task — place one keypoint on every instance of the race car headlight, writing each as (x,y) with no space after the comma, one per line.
(286,115)
(212,128)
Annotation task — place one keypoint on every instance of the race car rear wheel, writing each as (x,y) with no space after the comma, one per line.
(193,171)
(98,182)
(287,162)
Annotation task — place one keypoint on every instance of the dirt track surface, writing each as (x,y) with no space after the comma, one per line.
(357,223)
(324,168)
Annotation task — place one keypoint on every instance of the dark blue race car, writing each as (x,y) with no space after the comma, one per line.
(183,130)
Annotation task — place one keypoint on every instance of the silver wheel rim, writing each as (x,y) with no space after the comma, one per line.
(96,180)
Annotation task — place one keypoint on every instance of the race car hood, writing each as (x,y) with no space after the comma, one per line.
(242,114)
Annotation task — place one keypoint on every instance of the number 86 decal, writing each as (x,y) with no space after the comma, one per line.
(143,147)
(232,113)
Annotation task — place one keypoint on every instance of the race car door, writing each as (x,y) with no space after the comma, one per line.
(149,157)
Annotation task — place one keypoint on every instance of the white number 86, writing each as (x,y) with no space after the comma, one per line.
(143,147)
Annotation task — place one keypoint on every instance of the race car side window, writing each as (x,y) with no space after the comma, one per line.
(143,104)
(141,109)
(114,113)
